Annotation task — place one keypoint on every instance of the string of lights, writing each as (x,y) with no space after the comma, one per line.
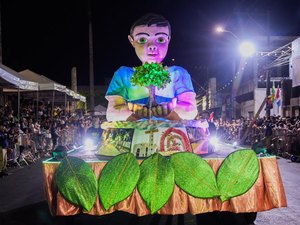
(276,58)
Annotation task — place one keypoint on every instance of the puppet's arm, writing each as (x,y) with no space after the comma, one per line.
(185,107)
(117,109)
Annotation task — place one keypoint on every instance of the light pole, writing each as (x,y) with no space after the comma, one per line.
(91,60)
(246,50)
(220,29)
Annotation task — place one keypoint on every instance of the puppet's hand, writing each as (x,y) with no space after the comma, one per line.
(159,110)
(164,109)
(169,107)
(138,110)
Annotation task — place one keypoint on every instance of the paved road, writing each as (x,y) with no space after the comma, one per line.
(22,200)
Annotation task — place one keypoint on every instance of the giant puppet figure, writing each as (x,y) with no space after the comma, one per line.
(150,37)
(134,123)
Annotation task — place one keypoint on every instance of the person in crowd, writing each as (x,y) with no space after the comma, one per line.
(80,131)
(211,126)
(54,135)
(150,36)
(3,151)
(268,133)
(94,132)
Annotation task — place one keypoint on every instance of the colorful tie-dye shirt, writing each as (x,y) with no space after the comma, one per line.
(120,85)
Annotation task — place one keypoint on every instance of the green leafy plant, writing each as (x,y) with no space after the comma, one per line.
(151,74)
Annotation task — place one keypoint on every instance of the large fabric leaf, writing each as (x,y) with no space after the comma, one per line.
(118,179)
(77,182)
(156,183)
(194,175)
(237,174)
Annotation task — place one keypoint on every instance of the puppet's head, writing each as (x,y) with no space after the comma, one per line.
(150,36)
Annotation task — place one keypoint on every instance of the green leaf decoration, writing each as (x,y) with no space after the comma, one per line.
(151,74)
(237,173)
(194,175)
(118,179)
(156,183)
(77,182)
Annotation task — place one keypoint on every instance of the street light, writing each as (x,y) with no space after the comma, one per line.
(220,29)
(247,49)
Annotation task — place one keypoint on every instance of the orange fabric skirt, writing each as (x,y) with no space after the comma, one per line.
(267,193)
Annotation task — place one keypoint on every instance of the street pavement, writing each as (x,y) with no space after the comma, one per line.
(22,200)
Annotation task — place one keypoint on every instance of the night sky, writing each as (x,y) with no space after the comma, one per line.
(50,37)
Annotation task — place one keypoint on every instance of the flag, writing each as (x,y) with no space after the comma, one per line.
(278,96)
(273,96)
(211,116)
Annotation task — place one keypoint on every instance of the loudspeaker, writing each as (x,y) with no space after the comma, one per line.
(296,92)
(286,90)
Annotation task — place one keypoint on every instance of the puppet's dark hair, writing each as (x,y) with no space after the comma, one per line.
(151,19)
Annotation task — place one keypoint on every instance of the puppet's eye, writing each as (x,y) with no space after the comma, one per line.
(161,40)
(142,40)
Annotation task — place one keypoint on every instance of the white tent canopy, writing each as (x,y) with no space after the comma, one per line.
(28,81)
(75,95)
(16,80)
(46,84)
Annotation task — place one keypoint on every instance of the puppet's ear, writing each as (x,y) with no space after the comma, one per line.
(131,40)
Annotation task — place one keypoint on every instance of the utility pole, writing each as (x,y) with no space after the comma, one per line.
(0,34)
(91,57)
(268,110)
(1,89)
(268,85)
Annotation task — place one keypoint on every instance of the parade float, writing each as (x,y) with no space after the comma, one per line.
(158,166)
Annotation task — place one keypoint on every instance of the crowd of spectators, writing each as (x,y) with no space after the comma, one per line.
(37,135)
(278,134)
